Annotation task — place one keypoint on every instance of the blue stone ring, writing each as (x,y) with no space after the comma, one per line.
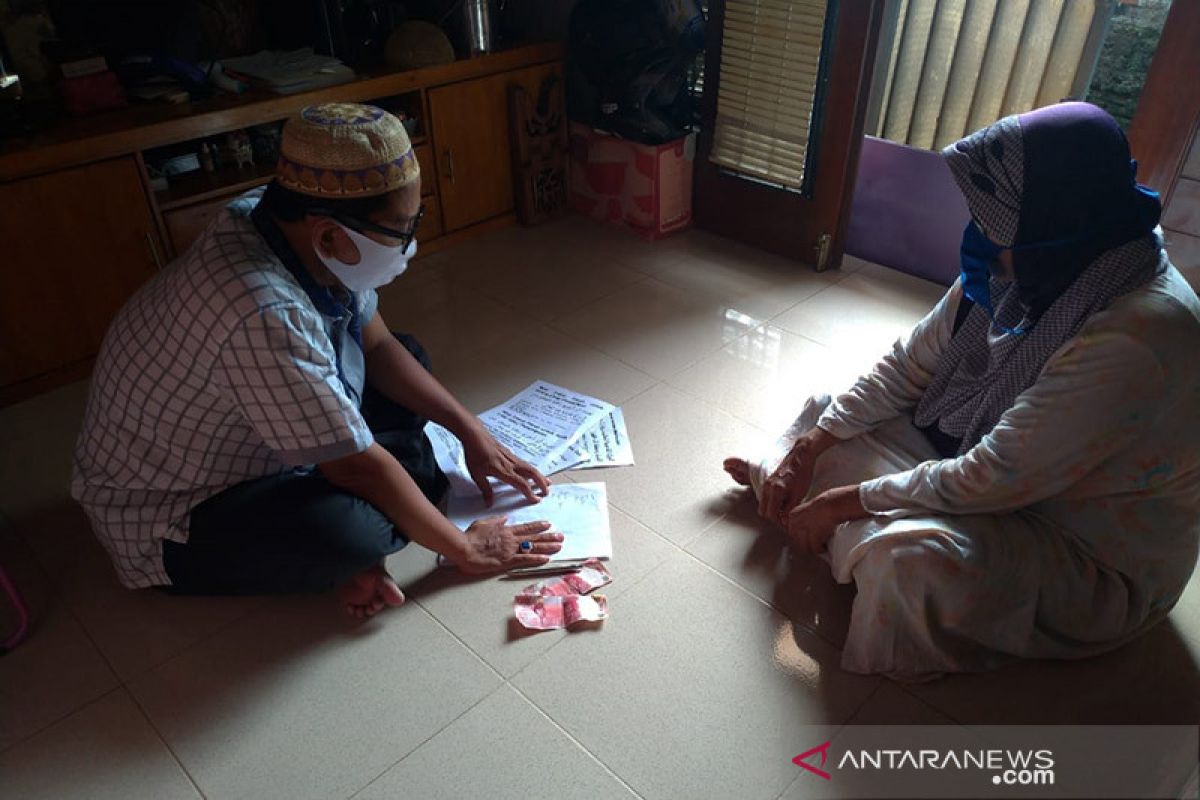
(526,546)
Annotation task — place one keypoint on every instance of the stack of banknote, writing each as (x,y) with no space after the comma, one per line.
(563,601)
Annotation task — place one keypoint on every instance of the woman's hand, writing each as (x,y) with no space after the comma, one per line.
(810,525)
(789,483)
(493,546)
(488,458)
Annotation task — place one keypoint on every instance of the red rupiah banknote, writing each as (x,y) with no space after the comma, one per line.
(555,611)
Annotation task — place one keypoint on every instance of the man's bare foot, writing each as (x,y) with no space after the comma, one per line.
(739,470)
(369,592)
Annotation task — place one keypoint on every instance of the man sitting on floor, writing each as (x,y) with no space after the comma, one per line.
(253,425)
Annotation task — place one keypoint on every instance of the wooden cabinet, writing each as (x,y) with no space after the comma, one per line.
(184,225)
(471,144)
(76,244)
(424,155)
(80,232)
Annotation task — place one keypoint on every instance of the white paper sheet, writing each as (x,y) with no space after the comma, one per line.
(574,457)
(607,443)
(451,459)
(579,511)
(543,421)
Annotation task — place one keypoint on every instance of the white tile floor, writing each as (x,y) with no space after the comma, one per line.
(719,647)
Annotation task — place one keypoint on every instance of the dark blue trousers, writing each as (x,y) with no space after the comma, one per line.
(297,532)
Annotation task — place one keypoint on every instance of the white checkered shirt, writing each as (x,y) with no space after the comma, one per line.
(219,370)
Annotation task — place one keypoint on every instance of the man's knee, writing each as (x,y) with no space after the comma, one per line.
(363,537)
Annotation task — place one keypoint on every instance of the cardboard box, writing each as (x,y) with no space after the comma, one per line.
(646,187)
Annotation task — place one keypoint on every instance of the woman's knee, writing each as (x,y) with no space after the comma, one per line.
(916,565)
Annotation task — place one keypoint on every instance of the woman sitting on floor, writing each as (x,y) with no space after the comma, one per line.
(1020,475)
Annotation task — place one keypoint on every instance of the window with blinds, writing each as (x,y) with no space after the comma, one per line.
(770,65)
(949,67)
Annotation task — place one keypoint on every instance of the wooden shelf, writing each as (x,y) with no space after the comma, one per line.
(195,187)
(74,142)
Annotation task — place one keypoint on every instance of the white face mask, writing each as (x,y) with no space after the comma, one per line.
(378,264)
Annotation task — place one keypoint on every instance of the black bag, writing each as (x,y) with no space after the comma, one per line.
(629,65)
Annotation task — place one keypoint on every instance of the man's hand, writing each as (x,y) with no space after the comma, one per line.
(789,483)
(488,458)
(496,547)
(811,525)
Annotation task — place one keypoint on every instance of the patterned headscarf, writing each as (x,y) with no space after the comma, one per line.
(1059,177)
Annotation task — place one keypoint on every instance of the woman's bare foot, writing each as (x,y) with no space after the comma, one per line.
(369,592)
(739,470)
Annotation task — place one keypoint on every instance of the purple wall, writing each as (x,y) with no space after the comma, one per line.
(907,212)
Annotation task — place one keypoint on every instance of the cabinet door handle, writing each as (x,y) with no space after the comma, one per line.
(153,250)
(450,166)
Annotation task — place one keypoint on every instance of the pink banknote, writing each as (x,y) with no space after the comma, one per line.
(554,611)
(592,575)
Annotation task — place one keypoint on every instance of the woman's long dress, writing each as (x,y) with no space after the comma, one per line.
(1070,529)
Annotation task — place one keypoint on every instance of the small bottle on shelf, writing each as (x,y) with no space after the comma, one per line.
(207,162)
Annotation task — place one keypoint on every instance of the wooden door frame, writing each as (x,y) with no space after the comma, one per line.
(745,205)
(1168,110)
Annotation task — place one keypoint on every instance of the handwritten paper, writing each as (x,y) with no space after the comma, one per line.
(607,443)
(579,511)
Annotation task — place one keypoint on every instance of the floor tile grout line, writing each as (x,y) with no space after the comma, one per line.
(640,580)
(550,324)
(709,353)
(630,264)
(804,626)
(642,274)
(483,292)
(670,380)
(125,683)
(568,335)
(881,680)
(137,704)
(574,740)
(634,583)
(162,738)
(61,718)
(425,741)
(642,278)
(457,638)
(842,726)
(713,405)
(170,749)
(878,688)
(54,594)
(56,588)
(724,304)
(837,731)
(191,645)
(836,647)
(773,320)
(724,412)
(948,715)
(186,649)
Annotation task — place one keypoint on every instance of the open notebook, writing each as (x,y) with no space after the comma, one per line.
(579,511)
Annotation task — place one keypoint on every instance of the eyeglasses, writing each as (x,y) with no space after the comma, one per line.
(364,226)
